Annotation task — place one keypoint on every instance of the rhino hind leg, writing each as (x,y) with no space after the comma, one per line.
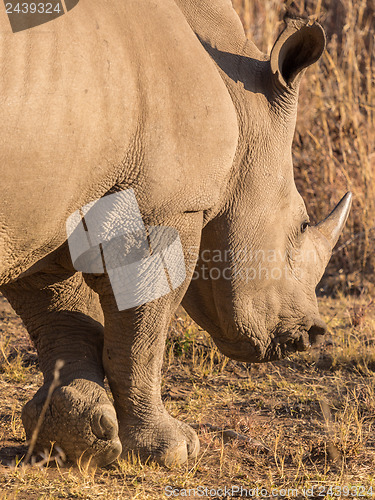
(64,319)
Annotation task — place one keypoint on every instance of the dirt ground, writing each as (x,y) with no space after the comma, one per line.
(305,424)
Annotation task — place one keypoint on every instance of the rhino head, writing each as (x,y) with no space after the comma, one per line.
(260,260)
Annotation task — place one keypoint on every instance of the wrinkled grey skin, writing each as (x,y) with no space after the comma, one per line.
(168,98)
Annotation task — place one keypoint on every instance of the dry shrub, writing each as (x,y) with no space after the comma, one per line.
(334,143)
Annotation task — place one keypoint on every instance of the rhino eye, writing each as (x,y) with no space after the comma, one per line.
(304,226)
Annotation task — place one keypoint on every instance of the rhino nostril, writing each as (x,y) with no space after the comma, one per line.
(104,425)
(317,331)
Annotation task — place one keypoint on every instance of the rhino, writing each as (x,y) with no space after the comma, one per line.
(169,99)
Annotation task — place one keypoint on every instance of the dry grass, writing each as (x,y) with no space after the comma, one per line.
(313,413)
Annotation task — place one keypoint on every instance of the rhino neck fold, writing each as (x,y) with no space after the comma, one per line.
(263,108)
(217,24)
(245,70)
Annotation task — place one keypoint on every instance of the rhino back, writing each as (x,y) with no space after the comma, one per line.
(80,96)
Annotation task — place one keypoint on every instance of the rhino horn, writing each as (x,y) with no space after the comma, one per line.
(332,226)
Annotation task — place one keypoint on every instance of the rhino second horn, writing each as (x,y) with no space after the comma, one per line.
(333,225)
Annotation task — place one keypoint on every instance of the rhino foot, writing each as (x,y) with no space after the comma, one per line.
(79,419)
(164,440)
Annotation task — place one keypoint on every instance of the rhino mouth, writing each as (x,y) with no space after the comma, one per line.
(244,347)
(298,341)
(304,342)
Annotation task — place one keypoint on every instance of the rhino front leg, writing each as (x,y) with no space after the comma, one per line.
(134,342)
(63,317)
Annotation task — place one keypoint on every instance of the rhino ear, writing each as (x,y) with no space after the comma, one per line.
(299,45)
